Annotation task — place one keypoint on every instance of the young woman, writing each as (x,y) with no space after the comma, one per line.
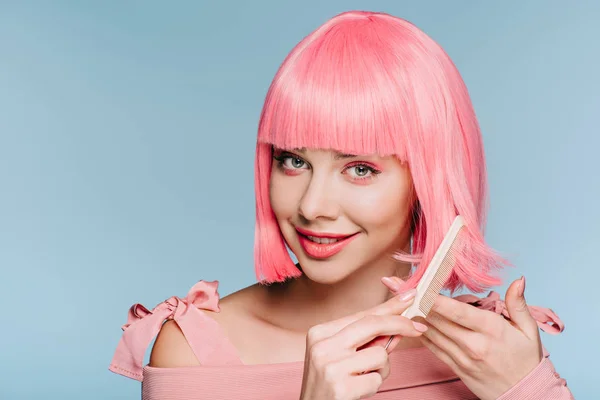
(368,147)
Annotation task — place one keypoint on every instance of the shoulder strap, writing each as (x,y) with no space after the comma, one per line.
(204,335)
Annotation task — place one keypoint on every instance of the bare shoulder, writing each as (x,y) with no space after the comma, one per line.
(171,349)
(236,307)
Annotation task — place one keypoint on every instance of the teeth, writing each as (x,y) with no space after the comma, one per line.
(323,240)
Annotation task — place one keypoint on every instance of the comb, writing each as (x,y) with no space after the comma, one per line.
(435,276)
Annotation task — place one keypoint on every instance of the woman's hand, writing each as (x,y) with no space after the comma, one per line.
(488,353)
(338,365)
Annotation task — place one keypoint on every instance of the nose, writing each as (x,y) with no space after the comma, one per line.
(319,200)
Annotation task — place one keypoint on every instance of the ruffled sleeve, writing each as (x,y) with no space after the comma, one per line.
(543,383)
(201,331)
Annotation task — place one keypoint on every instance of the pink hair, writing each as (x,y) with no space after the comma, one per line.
(372,83)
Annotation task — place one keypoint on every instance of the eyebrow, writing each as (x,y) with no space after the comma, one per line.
(338,156)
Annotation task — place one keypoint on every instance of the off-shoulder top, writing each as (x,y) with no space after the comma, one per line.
(416,374)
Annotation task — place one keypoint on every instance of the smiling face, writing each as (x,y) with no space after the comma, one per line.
(339,213)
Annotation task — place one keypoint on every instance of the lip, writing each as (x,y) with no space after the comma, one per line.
(322,251)
(323,235)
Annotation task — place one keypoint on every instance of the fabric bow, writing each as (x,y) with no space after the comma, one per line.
(142,325)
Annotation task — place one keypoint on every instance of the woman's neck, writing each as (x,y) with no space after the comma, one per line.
(300,304)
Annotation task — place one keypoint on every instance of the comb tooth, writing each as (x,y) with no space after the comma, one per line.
(438,281)
(442,269)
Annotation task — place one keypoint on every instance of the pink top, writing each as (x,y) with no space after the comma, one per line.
(416,374)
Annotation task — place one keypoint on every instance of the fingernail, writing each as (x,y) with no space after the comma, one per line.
(409,294)
(390,283)
(398,280)
(420,327)
(522,287)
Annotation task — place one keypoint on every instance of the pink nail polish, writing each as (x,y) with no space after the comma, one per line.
(419,326)
(398,280)
(409,294)
(390,284)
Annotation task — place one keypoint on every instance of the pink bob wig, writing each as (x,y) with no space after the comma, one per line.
(372,83)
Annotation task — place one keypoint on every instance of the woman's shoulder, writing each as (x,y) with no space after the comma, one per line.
(173,348)
(186,330)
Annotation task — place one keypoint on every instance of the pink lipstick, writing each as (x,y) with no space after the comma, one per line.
(323,245)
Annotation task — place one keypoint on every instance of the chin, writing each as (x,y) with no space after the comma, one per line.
(325,272)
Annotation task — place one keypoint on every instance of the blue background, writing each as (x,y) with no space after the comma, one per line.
(127,135)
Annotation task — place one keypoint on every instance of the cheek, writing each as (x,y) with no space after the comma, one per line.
(382,208)
(282,195)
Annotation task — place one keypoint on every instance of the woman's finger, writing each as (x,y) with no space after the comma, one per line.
(394,284)
(462,314)
(457,333)
(518,309)
(382,341)
(450,348)
(364,330)
(365,385)
(439,353)
(394,306)
(367,360)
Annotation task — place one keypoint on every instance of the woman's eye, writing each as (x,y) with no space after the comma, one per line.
(361,170)
(296,162)
(291,164)
(289,161)
(362,173)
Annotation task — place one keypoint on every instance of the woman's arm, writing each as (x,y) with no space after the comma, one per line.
(543,383)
